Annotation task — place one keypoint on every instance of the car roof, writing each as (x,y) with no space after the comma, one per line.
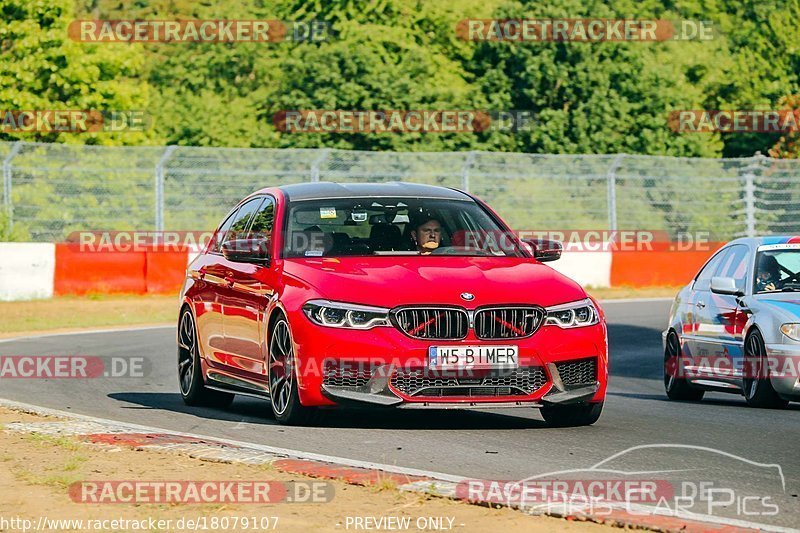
(767,240)
(326,189)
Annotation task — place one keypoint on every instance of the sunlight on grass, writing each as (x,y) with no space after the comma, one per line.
(63,442)
(91,311)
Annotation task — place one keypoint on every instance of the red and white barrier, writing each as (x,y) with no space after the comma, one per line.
(590,269)
(26,270)
(32,270)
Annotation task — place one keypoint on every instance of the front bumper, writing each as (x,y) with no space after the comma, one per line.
(377,392)
(396,353)
(784,366)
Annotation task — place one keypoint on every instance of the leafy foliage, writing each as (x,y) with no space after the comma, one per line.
(608,97)
(42,69)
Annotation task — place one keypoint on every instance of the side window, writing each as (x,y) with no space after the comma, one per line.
(264,219)
(735,266)
(219,236)
(703,280)
(238,229)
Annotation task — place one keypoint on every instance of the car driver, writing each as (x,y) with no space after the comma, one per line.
(427,235)
(768,278)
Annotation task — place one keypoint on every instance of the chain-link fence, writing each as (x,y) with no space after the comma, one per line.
(50,190)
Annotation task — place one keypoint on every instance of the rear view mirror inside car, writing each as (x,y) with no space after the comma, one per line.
(358,215)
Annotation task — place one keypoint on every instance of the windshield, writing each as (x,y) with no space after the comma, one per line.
(778,270)
(392,226)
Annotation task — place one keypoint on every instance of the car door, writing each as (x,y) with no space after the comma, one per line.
(252,288)
(220,276)
(731,318)
(715,317)
(694,346)
(209,274)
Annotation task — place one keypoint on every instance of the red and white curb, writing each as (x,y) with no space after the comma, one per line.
(102,432)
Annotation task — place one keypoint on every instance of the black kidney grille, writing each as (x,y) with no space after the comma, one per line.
(508,322)
(433,323)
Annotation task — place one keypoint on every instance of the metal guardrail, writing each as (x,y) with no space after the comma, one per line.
(50,190)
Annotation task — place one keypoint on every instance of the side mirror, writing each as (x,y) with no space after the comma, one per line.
(720,285)
(254,250)
(544,250)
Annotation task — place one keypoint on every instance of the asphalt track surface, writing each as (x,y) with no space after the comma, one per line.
(503,445)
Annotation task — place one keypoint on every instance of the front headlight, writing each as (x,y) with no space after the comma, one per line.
(792,331)
(573,315)
(344,315)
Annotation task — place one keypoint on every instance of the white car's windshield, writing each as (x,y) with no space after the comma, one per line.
(778,270)
(393,226)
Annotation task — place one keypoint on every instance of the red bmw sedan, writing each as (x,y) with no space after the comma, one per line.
(391,295)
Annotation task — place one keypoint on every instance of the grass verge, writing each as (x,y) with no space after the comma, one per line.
(616,293)
(92,311)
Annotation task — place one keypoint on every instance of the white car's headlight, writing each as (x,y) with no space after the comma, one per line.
(573,315)
(344,315)
(792,331)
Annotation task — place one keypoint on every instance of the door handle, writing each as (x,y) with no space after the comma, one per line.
(230,281)
(700,305)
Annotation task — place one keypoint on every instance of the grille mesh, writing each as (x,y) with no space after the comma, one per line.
(346,374)
(508,322)
(522,381)
(433,323)
(580,372)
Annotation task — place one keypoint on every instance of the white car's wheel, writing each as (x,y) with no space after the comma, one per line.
(756,386)
(675,384)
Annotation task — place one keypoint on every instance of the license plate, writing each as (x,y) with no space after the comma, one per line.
(472,357)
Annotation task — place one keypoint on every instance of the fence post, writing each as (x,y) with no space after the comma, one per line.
(321,158)
(750,197)
(465,171)
(7,183)
(611,178)
(160,187)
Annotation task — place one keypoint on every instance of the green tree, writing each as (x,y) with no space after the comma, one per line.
(605,97)
(43,69)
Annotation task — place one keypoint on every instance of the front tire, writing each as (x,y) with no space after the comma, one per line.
(283,395)
(675,385)
(190,373)
(756,386)
(574,415)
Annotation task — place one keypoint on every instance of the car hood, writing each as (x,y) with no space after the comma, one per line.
(390,281)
